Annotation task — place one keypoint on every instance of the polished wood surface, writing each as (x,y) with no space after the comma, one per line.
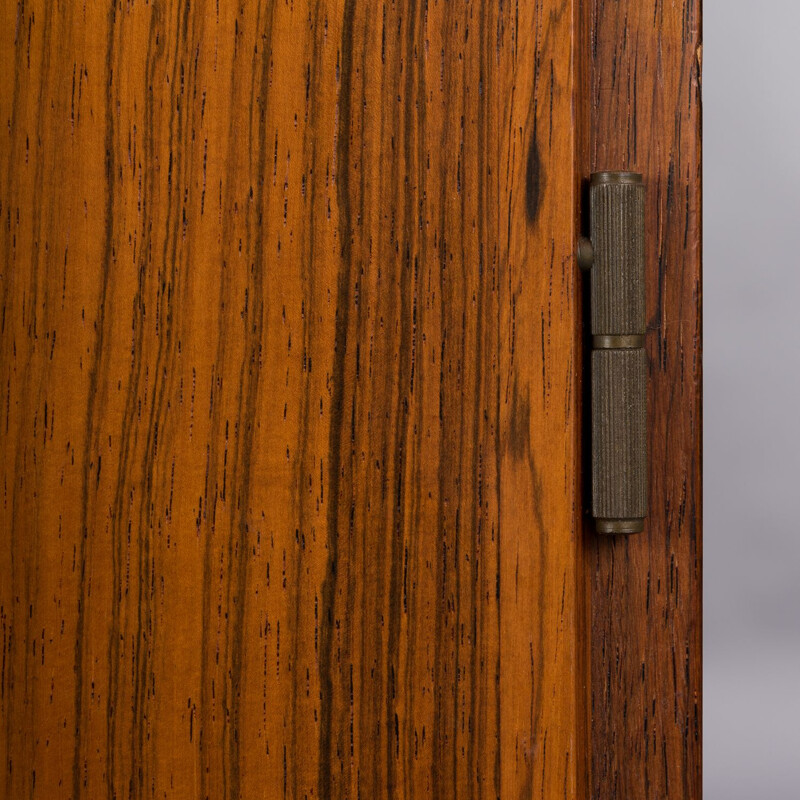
(289,402)
(641,76)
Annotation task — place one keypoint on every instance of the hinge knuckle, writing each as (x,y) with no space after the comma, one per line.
(619,362)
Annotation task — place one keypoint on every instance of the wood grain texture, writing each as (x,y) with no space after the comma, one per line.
(289,402)
(641,76)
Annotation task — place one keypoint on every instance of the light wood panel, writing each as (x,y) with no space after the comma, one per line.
(289,401)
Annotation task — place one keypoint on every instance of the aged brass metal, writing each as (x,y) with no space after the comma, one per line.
(614,256)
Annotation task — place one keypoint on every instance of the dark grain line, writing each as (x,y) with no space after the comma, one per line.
(89,434)
(343,301)
(250,378)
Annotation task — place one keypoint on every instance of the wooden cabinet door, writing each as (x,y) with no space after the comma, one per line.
(291,391)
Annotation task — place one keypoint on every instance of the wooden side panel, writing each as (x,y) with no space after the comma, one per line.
(641,77)
(288,400)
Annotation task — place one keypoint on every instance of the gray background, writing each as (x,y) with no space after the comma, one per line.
(751,89)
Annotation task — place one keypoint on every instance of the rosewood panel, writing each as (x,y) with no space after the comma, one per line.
(641,75)
(289,402)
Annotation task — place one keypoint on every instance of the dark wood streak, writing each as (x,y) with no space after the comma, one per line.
(408,267)
(90,439)
(533,180)
(306,458)
(249,382)
(343,302)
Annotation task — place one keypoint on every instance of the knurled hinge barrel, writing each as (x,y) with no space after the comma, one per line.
(615,254)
